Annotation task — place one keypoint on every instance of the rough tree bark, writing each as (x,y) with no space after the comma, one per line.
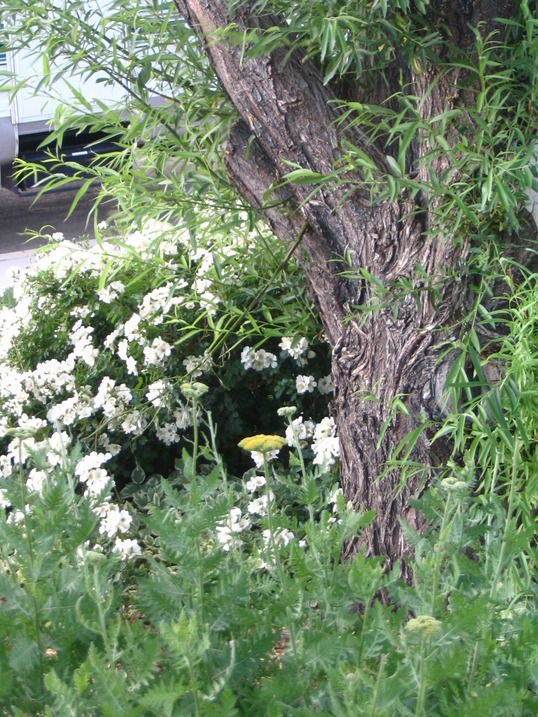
(287,115)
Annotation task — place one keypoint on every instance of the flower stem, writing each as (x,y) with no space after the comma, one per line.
(419,710)
(282,577)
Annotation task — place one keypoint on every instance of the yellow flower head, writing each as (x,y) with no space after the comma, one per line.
(424,625)
(262,443)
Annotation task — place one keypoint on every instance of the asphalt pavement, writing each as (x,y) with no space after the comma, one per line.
(22,214)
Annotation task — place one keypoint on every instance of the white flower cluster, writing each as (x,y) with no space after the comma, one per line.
(325,444)
(305,384)
(281,537)
(89,471)
(300,431)
(110,293)
(158,302)
(257,359)
(259,459)
(168,432)
(196,366)
(113,519)
(127,548)
(297,349)
(114,379)
(227,533)
(156,354)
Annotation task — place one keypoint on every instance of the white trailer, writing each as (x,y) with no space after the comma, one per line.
(25,120)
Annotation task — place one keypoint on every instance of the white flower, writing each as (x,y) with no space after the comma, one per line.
(123,349)
(63,412)
(130,361)
(31,422)
(167,433)
(58,443)
(155,354)
(112,399)
(305,384)
(81,339)
(110,293)
(158,302)
(326,451)
(325,445)
(115,521)
(333,498)
(57,236)
(112,448)
(258,506)
(89,471)
(75,408)
(89,462)
(299,430)
(80,312)
(294,348)
(19,451)
(4,500)
(109,340)
(282,537)
(183,416)
(102,508)
(258,457)
(254,483)
(157,392)
(17,516)
(131,328)
(6,466)
(36,480)
(127,549)
(132,367)
(325,385)
(236,522)
(96,481)
(134,423)
(195,366)
(227,532)
(257,359)
(325,428)
(226,537)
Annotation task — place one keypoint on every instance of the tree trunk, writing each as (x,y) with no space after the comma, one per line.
(288,119)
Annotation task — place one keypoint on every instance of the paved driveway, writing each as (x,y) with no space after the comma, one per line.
(20,212)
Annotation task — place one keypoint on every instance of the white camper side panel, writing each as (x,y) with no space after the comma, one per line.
(33,108)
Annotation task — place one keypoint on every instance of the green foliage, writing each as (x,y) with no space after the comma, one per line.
(258,614)
(347,38)
(233,597)
(486,149)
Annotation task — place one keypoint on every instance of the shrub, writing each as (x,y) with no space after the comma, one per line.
(100,341)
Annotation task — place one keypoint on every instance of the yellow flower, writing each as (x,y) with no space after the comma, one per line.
(424,625)
(262,443)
